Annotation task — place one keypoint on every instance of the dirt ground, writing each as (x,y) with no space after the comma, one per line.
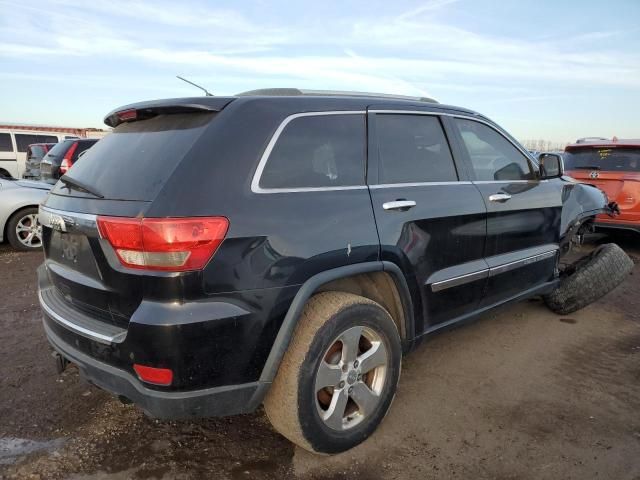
(521,393)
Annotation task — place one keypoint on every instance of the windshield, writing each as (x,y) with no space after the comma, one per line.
(606,159)
(136,159)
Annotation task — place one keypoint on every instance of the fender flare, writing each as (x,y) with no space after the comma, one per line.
(305,292)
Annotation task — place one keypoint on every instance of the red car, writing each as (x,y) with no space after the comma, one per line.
(614,167)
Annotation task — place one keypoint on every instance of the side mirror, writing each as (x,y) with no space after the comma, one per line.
(551,165)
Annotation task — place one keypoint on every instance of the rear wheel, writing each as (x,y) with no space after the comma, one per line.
(23,230)
(339,375)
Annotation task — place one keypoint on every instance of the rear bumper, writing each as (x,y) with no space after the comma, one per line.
(617,223)
(217,401)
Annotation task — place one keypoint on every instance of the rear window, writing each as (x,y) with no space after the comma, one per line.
(606,159)
(318,151)
(136,159)
(82,146)
(37,151)
(59,149)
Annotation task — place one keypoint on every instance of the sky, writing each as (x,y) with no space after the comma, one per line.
(545,69)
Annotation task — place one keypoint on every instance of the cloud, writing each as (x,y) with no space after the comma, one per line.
(406,53)
(429,6)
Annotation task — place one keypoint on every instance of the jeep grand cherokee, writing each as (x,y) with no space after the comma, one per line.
(287,248)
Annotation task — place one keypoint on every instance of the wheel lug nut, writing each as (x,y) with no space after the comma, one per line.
(355,364)
(359,377)
(350,390)
(341,384)
(345,368)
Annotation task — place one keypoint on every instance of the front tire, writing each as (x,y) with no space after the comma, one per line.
(339,376)
(591,278)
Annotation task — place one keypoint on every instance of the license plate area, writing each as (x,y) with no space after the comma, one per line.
(73,250)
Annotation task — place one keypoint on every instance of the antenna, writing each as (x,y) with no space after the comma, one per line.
(206,92)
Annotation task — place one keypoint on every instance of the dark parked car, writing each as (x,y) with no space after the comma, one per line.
(35,154)
(213,254)
(62,156)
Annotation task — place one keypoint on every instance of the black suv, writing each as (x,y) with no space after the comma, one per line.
(287,248)
(62,156)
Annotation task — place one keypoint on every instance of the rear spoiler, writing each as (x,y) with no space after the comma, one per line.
(143,110)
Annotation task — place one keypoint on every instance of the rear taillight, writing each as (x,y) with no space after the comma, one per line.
(67,163)
(173,244)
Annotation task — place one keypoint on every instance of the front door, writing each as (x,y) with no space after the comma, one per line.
(431,219)
(523,212)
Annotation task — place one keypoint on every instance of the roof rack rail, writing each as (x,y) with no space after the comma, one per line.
(294,92)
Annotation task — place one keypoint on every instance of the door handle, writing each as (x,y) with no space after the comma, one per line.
(499,197)
(399,205)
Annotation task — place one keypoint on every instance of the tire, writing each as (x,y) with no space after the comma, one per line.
(296,402)
(18,230)
(594,277)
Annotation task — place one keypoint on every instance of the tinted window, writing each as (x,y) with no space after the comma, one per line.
(413,148)
(493,157)
(136,159)
(59,149)
(23,140)
(82,146)
(318,151)
(5,143)
(608,159)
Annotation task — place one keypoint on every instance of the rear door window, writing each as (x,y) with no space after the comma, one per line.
(135,160)
(319,151)
(413,149)
(493,157)
(606,159)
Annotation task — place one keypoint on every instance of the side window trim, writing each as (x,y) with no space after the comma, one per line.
(374,157)
(255,181)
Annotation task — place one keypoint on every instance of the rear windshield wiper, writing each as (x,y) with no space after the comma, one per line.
(587,167)
(78,185)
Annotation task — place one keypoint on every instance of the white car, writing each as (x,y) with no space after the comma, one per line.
(19,200)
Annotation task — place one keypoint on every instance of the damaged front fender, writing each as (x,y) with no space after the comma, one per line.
(580,204)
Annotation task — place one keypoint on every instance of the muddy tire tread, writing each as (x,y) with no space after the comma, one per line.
(281,402)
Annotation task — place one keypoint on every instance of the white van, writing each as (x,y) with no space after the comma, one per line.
(13,148)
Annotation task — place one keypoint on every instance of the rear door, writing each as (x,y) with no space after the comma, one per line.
(430,217)
(523,212)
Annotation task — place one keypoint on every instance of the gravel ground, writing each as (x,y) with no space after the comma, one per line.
(521,393)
